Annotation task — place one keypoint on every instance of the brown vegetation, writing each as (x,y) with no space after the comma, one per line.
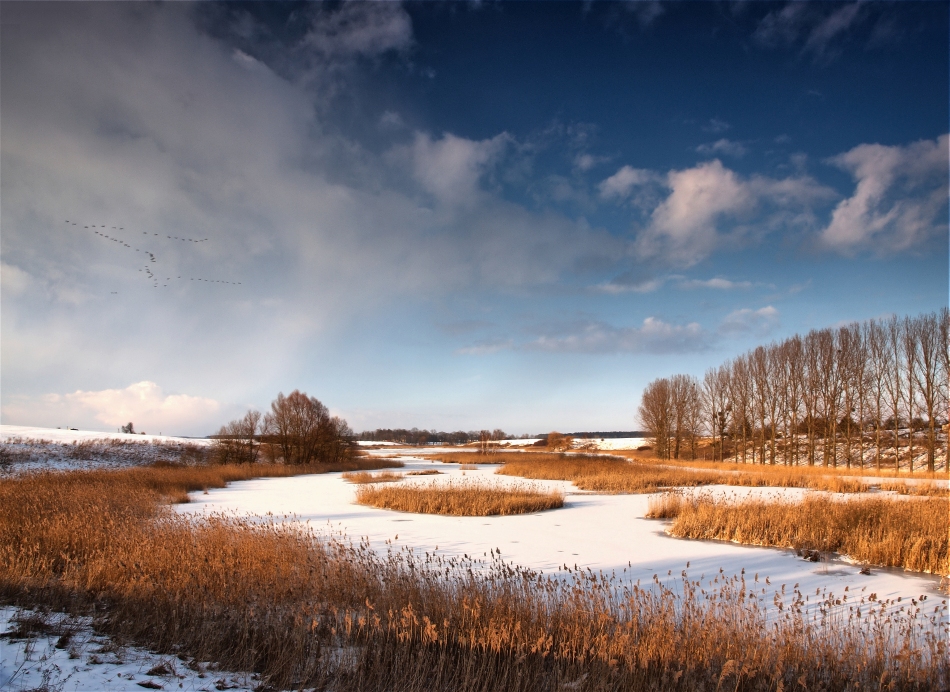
(616,475)
(464,499)
(490,457)
(361,477)
(309,612)
(891,532)
(603,474)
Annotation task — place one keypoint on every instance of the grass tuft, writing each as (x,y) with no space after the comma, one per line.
(361,477)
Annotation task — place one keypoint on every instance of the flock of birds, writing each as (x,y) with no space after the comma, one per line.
(147,269)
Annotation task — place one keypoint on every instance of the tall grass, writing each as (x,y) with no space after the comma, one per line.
(463,499)
(360,477)
(617,475)
(473,457)
(315,612)
(891,532)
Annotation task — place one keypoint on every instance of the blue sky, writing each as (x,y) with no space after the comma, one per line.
(451,215)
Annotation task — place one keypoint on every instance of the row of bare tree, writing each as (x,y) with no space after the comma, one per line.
(297,430)
(831,397)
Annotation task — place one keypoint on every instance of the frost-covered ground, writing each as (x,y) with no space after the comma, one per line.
(54,652)
(605,533)
(24,449)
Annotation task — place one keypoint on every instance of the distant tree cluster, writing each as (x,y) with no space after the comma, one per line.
(826,397)
(297,430)
(415,436)
(558,441)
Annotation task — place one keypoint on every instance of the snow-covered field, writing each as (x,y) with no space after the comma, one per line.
(606,533)
(37,656)
(9,433)
(24,449)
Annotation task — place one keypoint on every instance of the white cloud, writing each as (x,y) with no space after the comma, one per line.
(622,183)
(486,348)
(830,27)
(585,162)
(897,203)
(646,11)
(748,321)
(616,286)
(722,146)
(715,125)
(653,336)
(143,403)
(390,120)
(360,29)
(816,26)
(13,280)
(685,227)
(450,168)
(717,283)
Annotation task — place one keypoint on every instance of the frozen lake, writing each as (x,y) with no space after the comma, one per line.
(605,533)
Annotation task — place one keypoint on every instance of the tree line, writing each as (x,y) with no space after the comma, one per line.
(415,436)
(875,391)
(298,429)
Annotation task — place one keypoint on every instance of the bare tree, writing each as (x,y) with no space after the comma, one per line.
(740,396)
(303,431)
(790,372)
(238,441)
(811,390)
(880,363)
(926,340)
(656,414)
(716,405)
(944,378)
(851,361)
(893,384)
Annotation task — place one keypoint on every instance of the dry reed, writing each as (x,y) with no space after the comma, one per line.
(463,499)
(361,477)
(473,457)
(326,614)
(617,475)
(890,532)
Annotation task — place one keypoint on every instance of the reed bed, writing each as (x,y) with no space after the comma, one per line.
(781,468)
(315,612)
(925,489)
(617,475)
(908,533)
(463,499)
(603,474)
(474,457)
(362,477)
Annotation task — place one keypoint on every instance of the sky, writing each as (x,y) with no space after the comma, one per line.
(450,215)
